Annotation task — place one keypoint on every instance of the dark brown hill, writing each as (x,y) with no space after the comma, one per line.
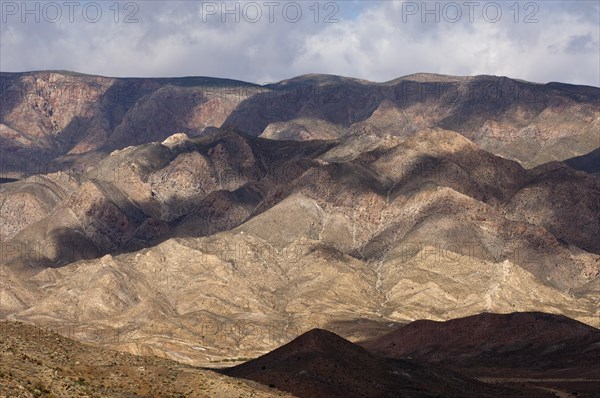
(520,341)
(320,364)
(590,162)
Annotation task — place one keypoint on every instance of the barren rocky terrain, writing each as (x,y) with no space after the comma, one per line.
(36,362)
(430,228)
(52,113)
(210,221)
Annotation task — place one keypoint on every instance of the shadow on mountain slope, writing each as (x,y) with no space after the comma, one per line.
(321,364)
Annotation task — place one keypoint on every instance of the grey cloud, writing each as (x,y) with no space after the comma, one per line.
(582,44)
(373,40)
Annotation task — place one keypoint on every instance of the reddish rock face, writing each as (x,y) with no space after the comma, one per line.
(49,114)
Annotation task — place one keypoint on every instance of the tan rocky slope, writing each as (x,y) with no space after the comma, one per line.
(226,245)
(195,187)
(140,194)
(37,362)
(47,115)
(234,295)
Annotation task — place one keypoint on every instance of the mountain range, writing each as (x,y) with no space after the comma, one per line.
(209,221)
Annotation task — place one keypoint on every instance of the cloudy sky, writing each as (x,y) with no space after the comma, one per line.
(265,41)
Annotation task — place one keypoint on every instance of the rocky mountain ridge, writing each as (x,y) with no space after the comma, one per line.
(209,221)
(48,115)
(432,227)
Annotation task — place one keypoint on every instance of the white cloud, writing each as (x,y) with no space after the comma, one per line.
(375,40)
